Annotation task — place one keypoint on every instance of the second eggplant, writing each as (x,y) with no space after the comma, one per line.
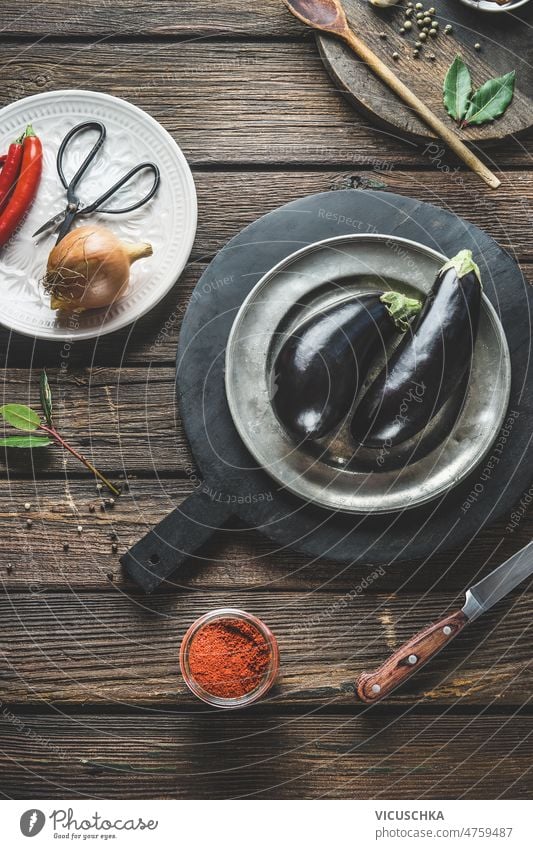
(322,365)
(429,364)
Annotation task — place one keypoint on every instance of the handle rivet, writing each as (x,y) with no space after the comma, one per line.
(412,659)
(447,630)
(376,688)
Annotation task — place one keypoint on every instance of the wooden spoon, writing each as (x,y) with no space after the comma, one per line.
(328,16)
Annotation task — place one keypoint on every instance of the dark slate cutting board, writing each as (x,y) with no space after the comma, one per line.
(232,482)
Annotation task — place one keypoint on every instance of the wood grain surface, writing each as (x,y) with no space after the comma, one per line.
(122,649)
(92,703)
(169,754)
(171,18)
(291,112)
(237,557)
(504,45)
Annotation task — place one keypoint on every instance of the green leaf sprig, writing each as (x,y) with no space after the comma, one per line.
(487,102)
(24,418)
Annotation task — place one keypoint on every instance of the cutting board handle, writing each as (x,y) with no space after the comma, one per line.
(158,554)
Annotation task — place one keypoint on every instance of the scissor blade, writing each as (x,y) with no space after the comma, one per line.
(51,224)
(501,581)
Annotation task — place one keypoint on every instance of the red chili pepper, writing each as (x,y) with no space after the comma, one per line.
(10,170)
(26,188)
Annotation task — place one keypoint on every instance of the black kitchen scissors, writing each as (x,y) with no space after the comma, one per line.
(65,219)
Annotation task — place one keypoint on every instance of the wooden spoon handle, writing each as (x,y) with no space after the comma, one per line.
(373,686)
(405,93)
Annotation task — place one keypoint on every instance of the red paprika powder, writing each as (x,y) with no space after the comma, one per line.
(229,656)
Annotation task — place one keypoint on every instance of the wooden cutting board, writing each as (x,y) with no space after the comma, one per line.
(506,44)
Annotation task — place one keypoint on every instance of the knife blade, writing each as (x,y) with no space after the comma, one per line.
(371,687)
(499,582)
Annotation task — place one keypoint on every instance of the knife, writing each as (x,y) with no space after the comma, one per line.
(371,687)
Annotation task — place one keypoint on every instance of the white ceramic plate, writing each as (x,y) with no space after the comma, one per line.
(487,6)
(168,221)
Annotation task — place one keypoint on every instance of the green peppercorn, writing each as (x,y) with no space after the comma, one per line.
(416,53)
(433,33)
(477,46)
(425,30)
(435,24)
(407,25)
(419,5)
(431,11)
(427,21)
(422,36)
(401,30)
(383,35)
(395,56)
(418,44)
(448,28)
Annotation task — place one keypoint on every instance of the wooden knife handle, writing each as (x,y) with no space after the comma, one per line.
(373,686)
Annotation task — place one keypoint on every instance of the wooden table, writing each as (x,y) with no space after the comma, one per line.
(92,700)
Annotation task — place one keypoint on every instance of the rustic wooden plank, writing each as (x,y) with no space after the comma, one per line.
(229,201)
(150,17)
(227,102)
(237,558)
(180,756)
(119,649)
(121,419)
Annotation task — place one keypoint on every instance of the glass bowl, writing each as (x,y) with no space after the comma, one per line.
(271,671)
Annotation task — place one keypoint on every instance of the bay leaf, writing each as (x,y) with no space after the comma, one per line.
(457,89)
(20,416)
(491,99)
(46,398)
(25,442)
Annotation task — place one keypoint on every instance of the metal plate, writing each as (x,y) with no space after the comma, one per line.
(168,222)
(332,472)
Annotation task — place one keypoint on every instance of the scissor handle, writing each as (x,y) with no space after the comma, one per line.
(144,166)
(70,186)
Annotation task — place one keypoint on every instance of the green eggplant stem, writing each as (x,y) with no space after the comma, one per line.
(401,309)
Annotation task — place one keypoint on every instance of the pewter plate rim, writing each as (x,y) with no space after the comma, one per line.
(327,497)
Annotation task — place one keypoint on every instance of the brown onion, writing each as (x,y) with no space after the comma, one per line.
(90,268)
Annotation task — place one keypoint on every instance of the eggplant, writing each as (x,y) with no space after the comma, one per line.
(322,365)
(429,363)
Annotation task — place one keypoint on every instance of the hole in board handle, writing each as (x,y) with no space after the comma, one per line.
(154,559)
